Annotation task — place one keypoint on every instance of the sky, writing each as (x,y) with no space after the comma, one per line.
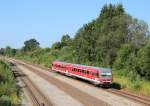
(48,20)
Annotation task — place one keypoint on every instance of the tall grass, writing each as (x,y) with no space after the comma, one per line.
(132,83)
(9,95)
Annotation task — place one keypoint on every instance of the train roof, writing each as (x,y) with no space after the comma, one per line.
(87,67)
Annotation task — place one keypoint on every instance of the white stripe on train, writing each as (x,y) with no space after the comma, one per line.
(70,74)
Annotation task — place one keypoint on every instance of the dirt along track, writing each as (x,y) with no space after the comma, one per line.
(37,97)
(83,97)
(143,100)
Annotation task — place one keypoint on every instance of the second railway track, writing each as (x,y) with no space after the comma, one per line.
(143,100)
(38,98)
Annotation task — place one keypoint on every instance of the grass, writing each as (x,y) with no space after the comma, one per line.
(140,87)
(9,92)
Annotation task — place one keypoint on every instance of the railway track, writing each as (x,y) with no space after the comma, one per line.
(143,100)
(35,94)
(136,98)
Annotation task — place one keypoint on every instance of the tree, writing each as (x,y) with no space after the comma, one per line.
(84,43)
(56,45)
(138,33)
(123,59)
(65,40)
(2,51)
(143,61)
(31,45)
(8,51)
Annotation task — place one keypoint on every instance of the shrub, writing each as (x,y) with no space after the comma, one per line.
(5,101)
(9,93)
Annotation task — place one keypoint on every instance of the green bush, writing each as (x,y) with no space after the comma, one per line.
(9,92)
(5,101)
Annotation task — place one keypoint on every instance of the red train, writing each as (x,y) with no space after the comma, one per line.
(97,75)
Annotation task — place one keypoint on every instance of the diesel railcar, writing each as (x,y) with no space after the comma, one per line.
(96,75)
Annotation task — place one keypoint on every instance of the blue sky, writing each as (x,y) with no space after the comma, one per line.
(48,20)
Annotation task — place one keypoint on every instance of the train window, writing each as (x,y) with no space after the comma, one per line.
(80,71)
(84,71)
(76,70)
(87,72)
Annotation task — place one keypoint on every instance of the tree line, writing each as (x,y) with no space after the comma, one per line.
(114,39)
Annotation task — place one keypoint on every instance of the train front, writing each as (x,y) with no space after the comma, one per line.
(105,75)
